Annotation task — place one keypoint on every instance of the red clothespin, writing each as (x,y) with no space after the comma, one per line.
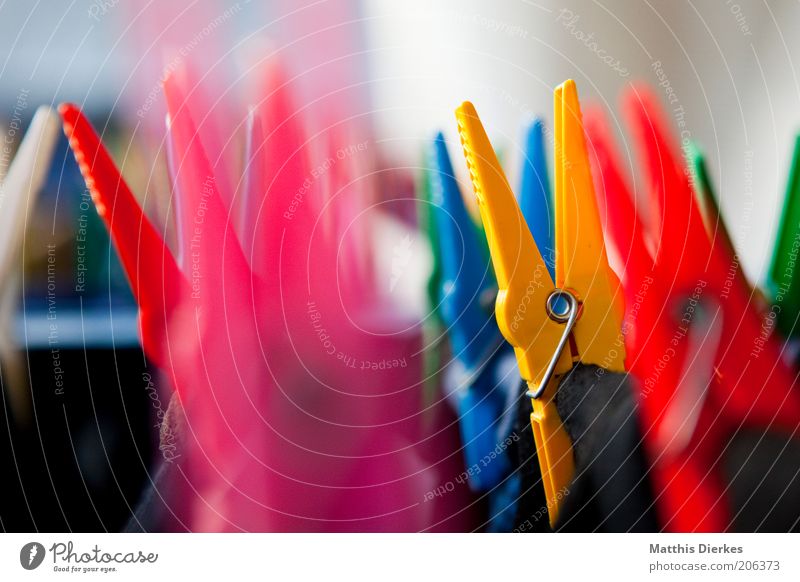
(204,220)
(154,276)
(623,227)
(691,411)
(277,172)
(212,117)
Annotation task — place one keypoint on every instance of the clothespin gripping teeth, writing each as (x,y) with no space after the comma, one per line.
(158,288)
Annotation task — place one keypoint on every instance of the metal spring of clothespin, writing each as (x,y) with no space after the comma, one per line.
(562,307)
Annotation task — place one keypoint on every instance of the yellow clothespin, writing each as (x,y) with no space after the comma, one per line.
(582,309)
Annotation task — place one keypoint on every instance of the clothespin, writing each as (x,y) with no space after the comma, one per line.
(535,199)
(784,278)
(197,101)
(538,316)
(21,185)
(154,276)
(255,177)
(466,280)
(623,227)
(426,223)
(432,330)
(690,416)
(277,169)
(615,200)
(200,205)
(714,222)
(18,194)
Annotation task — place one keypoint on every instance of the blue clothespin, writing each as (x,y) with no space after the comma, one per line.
(534,196)
(468,288)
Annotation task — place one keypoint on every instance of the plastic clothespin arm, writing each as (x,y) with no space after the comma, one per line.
(581,260)
(522,277)
(524,288)
(683,246)
(535,198)
(18,194)
(425,212)
(277,164)
(472,332)
(255,177)
(616,201)
(465,276)
(624,229)
(155,279)
(712,216)
(784,279)
(200,197)
(21,185)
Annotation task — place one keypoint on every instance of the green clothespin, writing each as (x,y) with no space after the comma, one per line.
(432,329)
(784,274)
(714,222)
(425,210)
(709,204)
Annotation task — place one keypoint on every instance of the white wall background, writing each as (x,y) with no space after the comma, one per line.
(731,64)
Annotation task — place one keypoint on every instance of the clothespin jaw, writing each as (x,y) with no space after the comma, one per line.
(525,288)
(617,206)
(465,276)
(707,200)
(535,198)
(784,279)
(714,222)
(522,277)
(19,190)
(671,197)
(425,212)
(581,260)
(20,186)
(155,279)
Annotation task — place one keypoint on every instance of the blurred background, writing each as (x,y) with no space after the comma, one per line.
(729,65)
(77,458)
